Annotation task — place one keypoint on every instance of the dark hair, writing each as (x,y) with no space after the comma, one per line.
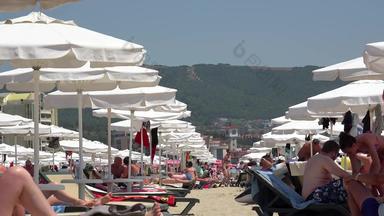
(189,164)
(126,160)
(346,140)
(330,146)
(316,141)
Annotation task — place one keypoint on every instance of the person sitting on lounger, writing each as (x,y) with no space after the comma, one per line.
(318,183)
(135,169)
(188,176)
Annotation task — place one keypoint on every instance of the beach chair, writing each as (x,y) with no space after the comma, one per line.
(274,196)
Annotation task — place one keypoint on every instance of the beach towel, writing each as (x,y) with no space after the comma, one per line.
(145,138)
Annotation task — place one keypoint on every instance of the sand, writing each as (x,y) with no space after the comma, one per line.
(214,201)
(217,201)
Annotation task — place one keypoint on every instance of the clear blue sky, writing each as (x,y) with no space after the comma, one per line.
(279,33)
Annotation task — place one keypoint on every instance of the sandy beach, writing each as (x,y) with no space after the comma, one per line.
(217,201)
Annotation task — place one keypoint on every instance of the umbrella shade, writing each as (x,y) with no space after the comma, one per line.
(299,112)
(24,129)
(357,96)
(130,99)
(280,120)
(88,146)
(6,149)
(18,5)
(83,78)
(304,127)
(61,132)
(11,120)
(374,56)
(351,70)
(57,43)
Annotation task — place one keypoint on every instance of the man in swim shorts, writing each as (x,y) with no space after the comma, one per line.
(318,183)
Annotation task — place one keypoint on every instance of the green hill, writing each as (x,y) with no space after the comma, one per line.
(235,92)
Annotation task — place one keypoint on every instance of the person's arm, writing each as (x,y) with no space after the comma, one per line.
(371,179)
(334,168)
(355,163)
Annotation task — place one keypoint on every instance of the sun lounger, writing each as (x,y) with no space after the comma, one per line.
(275,196)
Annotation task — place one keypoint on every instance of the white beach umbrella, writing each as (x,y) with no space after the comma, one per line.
(280,120)
(56,131)
(18,5)
(357,96)
(6,149)
(56,43)
(304,127)
(299,112)
(11,120)
(351,70)
(24,129)
(374,56)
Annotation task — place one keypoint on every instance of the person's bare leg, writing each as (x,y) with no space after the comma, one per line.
(358,193)
(155,211)
(55,197)
(18,211)
(17,187)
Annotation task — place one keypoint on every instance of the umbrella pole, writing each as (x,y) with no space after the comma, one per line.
(36,117)
(109,150)
(331,130)
(15,140)
(80,119)
(142,153)
(129,188)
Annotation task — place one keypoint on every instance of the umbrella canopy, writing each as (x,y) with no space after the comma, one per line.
(374,56)
(83,78)
(11,120)
(357,96)
(18,5)
(56,43)
(6,149)
(299,112)
(129,99)
(280,120)
(272,140)
(61,132)
(304,127)
(351,70)
(142,115)
(88,146)
(24,129)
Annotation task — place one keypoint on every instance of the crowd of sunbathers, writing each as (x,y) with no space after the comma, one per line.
(325,181)
(19,194)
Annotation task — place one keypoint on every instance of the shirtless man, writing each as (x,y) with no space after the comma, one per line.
(305,151)
(318,183)
(117,167)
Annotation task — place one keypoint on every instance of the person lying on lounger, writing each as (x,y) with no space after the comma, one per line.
(188,176)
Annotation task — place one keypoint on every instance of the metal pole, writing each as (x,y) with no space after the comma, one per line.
(15,140)
(142,152)
(81,164)
(109,144)
(36,119)
(130,144)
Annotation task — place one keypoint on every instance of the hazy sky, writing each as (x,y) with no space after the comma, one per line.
(279,33)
